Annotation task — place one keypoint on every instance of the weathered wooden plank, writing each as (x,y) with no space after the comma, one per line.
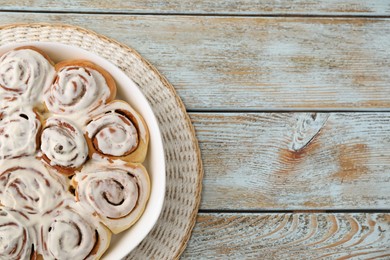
(290,236)
(242,7)
(256,63)
(300,161)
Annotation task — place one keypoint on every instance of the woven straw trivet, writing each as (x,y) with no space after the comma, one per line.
(169,237)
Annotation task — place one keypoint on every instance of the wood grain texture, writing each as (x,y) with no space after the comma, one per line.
(242,7)
(277,161)
(290,236)
(247,63)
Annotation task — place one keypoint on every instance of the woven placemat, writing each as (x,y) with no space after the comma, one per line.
(169,237)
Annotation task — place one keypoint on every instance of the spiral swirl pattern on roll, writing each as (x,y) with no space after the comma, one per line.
(16,241)
(28,186)
(70,236)
(114,134)
(116,130)
(77,88)
(111,195)
(63,144)
(118,194)
(25,71)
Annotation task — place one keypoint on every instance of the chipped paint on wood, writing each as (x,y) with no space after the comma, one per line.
(294,161)
(261,63)
(290,236)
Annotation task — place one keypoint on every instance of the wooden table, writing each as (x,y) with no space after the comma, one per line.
(291,104)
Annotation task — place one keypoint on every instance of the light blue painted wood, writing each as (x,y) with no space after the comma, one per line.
(242,7)
(294,161)
(290,236)
(260,64)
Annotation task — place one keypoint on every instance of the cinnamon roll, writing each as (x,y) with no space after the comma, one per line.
(68,234)
(117,193)
(63,145)
(117,131)
(16,241)
(19,128)
(79,86)
(27,185)
(26,71)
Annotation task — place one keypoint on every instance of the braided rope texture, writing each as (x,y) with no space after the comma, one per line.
(168,238)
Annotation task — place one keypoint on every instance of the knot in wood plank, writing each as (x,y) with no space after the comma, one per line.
(306,127)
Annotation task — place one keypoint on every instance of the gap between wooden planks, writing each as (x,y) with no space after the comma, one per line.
(294,161)
(242,7)
(290,236)
(252,63)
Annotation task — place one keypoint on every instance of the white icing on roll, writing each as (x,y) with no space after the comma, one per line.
(70,233)
(112,194)
(18,131)
(26,185)
(116,130)
(70,236)
(76,89)
(16,241)
(98,158)
(63,143)
(113,133)
(123,108)
(9,102)
(25,72)
(118,193)
(47,215)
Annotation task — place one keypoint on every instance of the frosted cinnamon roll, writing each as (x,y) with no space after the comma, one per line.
(26,185)
(67,234)
(117,131)
(26,71)
(16,242)
(63,145)
(117,193)
(19,128)
(79,86)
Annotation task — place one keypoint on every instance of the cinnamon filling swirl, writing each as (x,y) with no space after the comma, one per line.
(30,188)
(26,72)
(15,240)
(75,89)
(62,144)
(113,134)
